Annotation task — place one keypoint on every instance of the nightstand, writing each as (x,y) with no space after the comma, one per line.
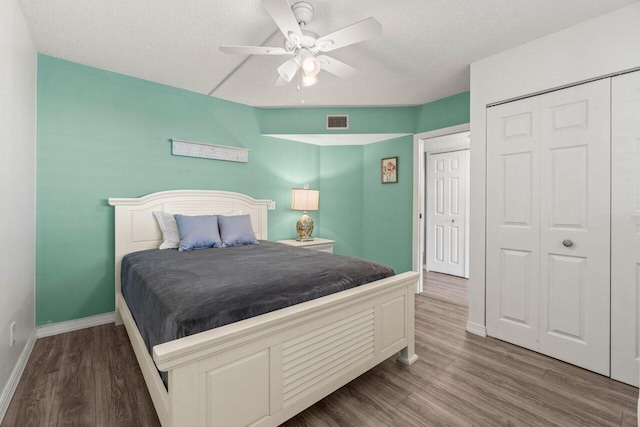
(317,244)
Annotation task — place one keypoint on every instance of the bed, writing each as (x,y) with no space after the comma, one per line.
(263,370)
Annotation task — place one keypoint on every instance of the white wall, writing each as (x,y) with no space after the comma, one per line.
(18,60)
(607,44)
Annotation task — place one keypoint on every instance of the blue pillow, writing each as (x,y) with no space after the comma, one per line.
(198,232)
(236,230)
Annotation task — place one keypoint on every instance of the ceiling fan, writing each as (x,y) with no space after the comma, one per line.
(304,46)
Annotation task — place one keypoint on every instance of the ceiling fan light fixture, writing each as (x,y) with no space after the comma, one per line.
(310,65)
(303,45)
(288,69)
(309,80)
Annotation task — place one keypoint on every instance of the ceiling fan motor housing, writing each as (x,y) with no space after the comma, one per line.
(308,41)
(303,12)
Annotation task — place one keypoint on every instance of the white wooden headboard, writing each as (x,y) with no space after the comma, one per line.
(136,228)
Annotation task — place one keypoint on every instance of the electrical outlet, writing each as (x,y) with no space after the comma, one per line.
(12,330)
(272,205)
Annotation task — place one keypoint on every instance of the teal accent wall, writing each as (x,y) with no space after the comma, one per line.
(388,208)
(341,194)
(451,111)
(102,134)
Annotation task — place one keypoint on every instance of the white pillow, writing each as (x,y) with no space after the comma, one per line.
(169,227)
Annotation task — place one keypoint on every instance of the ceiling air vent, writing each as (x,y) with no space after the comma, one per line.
(337,122)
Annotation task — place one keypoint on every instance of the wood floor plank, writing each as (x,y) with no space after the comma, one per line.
(628,420)
(593,390)
(458,401)
(46,356)
(448,399)
(380,390)
(32,402)
(75,397)
(560,404)
(368,409)
(91,377)
(419,409)
(114,406)
(329,411)
(136,387)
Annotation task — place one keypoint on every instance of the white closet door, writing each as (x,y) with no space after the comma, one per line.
(513,233)
(575,225)
(625,228)
(447,178)
(548,224)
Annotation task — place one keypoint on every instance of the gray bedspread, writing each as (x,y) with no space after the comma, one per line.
(174,294)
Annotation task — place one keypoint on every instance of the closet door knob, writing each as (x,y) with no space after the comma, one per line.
(567,242)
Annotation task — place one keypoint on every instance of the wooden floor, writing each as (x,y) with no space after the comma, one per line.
(90,377)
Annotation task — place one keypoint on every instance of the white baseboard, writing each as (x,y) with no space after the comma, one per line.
(74,325)
(477,329)
(14,378)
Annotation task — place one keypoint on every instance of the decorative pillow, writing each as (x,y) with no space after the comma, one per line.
(198,232)
(167,223)
(236,230)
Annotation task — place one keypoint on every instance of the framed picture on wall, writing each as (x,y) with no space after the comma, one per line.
(389,170)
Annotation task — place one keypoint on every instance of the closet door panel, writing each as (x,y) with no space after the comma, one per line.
(575,225)
(625,228)
(513,222)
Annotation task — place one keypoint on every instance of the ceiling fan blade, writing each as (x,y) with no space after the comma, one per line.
(336,67)
(288,69)
(355,33)
(281,13)
(281,81)
(254,50)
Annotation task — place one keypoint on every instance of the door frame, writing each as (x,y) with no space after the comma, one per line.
(426,143)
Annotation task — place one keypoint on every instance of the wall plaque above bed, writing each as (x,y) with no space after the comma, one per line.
(209,151)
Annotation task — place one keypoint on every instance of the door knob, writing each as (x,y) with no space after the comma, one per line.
(567,242)
(453,220)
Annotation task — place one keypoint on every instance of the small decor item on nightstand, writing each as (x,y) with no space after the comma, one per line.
(389,171)
(303,199)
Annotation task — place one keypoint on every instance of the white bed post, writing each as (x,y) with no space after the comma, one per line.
(184,405)
(408,354)
(119,320)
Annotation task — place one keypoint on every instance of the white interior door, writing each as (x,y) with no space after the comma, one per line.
(513,222)
(625,228)
(575,225)
(548,224)
(446,207)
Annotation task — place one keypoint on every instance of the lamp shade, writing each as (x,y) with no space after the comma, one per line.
(288,69)
(304,200)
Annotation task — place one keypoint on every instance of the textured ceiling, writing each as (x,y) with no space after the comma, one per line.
(423,54)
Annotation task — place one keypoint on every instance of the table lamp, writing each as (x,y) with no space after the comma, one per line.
(303,199)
